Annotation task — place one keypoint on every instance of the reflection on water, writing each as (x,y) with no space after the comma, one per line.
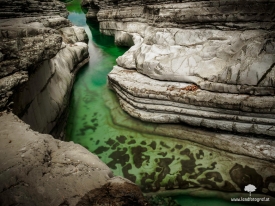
(96,122)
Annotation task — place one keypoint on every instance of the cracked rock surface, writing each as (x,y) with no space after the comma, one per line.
(224,50)
(28,8)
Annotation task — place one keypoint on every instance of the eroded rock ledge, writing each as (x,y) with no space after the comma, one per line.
(37,169)
(204,63)
(174,102)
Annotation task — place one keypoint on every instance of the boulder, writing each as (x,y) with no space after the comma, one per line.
(41,170)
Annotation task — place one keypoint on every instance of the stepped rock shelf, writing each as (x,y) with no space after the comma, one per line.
(212,63)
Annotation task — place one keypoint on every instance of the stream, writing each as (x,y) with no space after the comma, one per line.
(97,122)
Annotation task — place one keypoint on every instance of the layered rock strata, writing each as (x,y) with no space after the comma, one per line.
(31,8)
(39,57)
(207,64)
(174,102)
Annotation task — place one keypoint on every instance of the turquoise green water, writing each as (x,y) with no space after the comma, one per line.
(122,142)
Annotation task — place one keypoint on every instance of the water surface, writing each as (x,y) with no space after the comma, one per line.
(96,122)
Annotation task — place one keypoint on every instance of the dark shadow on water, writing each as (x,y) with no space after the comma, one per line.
(103,41)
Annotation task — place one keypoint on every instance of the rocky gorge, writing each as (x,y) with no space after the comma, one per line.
(211,62)
(208,64)
(202,70)
(43,52)
(40,53)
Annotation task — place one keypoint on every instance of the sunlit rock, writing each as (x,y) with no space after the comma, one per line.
(225,49)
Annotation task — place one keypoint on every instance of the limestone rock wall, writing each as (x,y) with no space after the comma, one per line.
(222,53)
(40,53)
(27,8)
(42,100)
(216,14)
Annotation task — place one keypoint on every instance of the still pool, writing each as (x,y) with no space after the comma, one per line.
(128,146)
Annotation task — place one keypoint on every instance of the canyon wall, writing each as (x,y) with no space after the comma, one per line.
(208,64)
(40,54)
(31,8)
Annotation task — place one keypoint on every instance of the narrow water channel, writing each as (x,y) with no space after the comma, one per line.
(96,122)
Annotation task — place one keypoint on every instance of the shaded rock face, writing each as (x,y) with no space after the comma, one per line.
(92,9)
(113,193)
(41,170)
(39,56)
(208,64)
(28,8)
